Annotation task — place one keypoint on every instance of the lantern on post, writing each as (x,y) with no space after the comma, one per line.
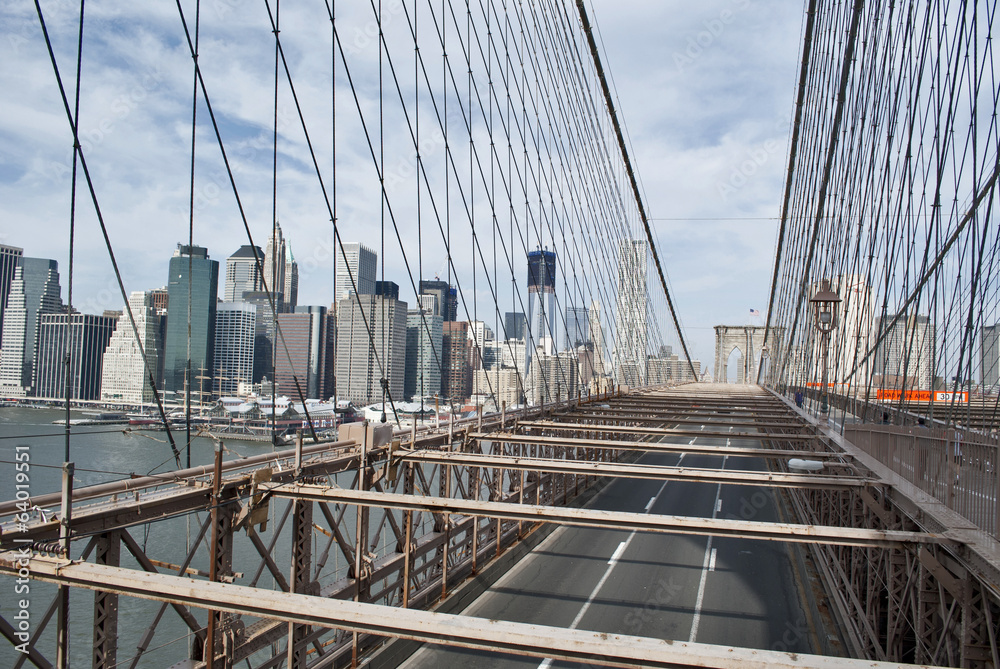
(825,308)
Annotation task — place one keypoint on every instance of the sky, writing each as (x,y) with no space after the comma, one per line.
(705,91)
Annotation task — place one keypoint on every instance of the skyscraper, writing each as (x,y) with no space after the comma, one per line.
(242,274)
(34,290)
(125,375)
(424,338)
(597,336)
(281,272)
(630,317)
(541,303)
(514,323)
(456,383)
(577,327)
(10,256)
(300,357)
(190,269)
(905,356)
(482,351)
(553,377)
(358,373)
(447,297)
(991,356)
(235,331)
(361,265)
(263,354)
(88,337)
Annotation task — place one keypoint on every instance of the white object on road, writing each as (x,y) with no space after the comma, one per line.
(805,466)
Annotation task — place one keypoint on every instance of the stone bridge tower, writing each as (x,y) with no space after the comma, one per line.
(748,340)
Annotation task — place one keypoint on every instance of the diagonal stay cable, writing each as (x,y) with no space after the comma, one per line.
(239,203)
(104,230)
(631,175)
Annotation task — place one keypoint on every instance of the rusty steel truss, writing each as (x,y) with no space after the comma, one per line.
(315,556)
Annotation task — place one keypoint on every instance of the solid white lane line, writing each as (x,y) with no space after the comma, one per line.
(696,621)
(649,504)
(709,554)
(711,562)
(607,572)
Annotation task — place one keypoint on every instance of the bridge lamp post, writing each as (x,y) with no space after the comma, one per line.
(825,305)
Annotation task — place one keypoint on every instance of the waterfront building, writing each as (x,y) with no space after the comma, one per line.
(990,354)
(88,337)
(514,325)
(191,272)
(447,298)
(456,382)
(264,340)
(631,316)
(512,354)
(243,273)
(577,327)
(34,291)
(597,337)
(904,359)
(10,256)
(235,334)
(329,390)
(669,368)
(424,337)
(503,386)
(553,377)
(364,354)
(483,350)
(160,300)
(361,265)
(299,356)
(541,303)
(126,371)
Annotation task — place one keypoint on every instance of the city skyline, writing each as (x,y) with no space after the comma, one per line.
(907,343)
(756,85)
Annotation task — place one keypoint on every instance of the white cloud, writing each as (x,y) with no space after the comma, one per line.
(695,117)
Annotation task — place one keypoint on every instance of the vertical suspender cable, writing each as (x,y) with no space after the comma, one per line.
(631,176)
(792,153)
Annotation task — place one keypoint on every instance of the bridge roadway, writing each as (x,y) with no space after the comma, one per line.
(733,592)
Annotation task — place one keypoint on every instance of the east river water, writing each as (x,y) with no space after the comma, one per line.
(101,454)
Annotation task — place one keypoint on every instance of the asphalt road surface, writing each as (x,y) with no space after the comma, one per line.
(733,592)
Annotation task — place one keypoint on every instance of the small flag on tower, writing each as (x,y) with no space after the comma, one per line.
(754,312)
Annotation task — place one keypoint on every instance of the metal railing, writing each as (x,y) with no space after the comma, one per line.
(956,467)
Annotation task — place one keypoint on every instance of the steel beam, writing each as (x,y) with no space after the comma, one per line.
(656,472)
(848,536)
(662,431)
(454,630)
(666,447)
(645,417)
(300,579)
(105,654)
